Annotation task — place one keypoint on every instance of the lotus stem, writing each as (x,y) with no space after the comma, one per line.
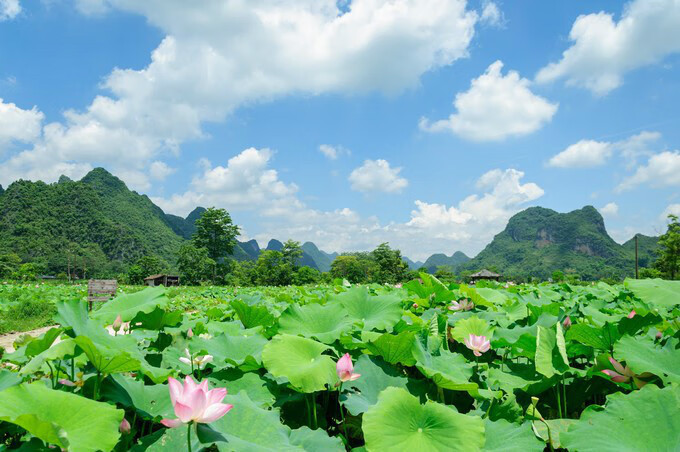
(189,436)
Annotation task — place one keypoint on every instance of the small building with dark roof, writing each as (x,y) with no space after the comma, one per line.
(161,280)
(484,275)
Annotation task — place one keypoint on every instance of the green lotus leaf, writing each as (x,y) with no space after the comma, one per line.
(105,360)
(395,348)
(61,418)
(379,312)
(643,355)
(235,381)
(557,427)
(253,315)
(376,375)
(504,436)
(648,419)
(58,351)
(129,305)
(37,346)
(250,428)
(472,325)
(233,349)
(301,361)
(325,323)
(398,422)
(655,292)
(167,439)
(8,378)
(551,356)
(448,370)
(149,400)
(601,338)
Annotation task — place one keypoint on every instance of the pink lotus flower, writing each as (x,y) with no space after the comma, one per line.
(66,382)
(190,333)
(345,369)
(415,305)
(632,314)
(566,323)
(124,427)
(462,305)
(623,374)
(478,344)
(117,323)
(195,403)
(398,286)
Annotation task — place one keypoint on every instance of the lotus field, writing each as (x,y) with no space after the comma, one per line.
(419,367)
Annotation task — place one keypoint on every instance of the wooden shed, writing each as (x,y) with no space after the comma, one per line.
(161,280)
(486,275)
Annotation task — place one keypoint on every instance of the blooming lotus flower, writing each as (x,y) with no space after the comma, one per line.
(195,403)
(623,374)
(197,360)
(462,305)
(124,427)
(632,314)
(566,323)
(345,369)
(478,344)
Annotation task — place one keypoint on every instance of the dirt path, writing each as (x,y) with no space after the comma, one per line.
(7,340)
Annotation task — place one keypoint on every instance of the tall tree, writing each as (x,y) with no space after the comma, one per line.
(217,234)
(669,252)
(194,264)
(392,268)
(292,252)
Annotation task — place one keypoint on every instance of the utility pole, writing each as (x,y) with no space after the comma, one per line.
(636,257)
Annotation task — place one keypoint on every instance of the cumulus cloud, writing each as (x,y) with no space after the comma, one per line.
(609,210)
(591,153)
(603,50)
(672,209)
(9,9)
(230,53)
(17,124)
(160,170)
(333,152)
(377,176)
(583,154)
(491,14)
(495,107)
(661,170)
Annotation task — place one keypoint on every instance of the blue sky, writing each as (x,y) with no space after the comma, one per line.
(557,104)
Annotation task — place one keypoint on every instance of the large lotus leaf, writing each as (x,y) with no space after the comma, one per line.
(643,355)
(517,377)
(253,315)
(301,361)
(315,440)
(551,356)
(61,418)
(398,422)
(157,319)
(379,312)
(323,322)
(429,286)
(57,351)
(234,349)
(601,338)
(472,325)
(477,298)
(235,381)
(509,337)
(448,370)
(656,292)
(37,346)
(107,361)
(129,305)
(504,436)
(150,400)
(250,428)
(557,427)
(73,314)
(8,379)
(376,375)
(395,348)
(648,419)
(167,439)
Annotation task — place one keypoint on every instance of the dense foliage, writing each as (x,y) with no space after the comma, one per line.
(435,367)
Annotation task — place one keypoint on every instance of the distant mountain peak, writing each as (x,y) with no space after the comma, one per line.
(102,180)
(274,245)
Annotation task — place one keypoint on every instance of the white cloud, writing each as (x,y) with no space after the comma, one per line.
(591,153)
(609,210)
(661,170)
(160,170)
(377,176)
(333,152)
(583,154)
(231,53)
(603,50)
(9,9)
(491,14)
(17,124)
(672,209)
(495,107)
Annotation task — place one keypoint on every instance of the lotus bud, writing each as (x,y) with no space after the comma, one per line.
(124,427)
(631,314)
(117,323)
(190,333)
(659,335)
(345,369)
(415,305)
(566,323)
(66,382)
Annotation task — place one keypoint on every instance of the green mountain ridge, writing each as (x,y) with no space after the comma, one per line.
(538,241)
(442,260)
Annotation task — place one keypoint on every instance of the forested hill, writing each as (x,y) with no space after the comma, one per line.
(96,220)
(538,241)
